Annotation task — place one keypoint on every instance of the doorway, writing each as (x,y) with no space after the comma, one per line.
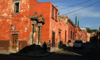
(14,41)
(53,39)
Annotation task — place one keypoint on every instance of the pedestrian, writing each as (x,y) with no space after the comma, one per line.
(45,47)
(49,46)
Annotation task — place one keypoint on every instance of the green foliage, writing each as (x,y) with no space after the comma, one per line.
(78,23)
(91,30)
(76,20)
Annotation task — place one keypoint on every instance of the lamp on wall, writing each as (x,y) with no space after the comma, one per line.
(12,27)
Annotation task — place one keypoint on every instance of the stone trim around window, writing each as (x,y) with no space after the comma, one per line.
(16,6)
(56,15)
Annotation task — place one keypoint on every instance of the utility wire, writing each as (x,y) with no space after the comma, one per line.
(60,1)
(96,6)
(71,5)
(82,19)
(80,8)
(74,5)
(90,12)
(59,9)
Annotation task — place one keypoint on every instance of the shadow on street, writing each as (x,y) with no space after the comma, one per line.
(89,52)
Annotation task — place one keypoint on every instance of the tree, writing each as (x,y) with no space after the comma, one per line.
(91,30)
(76,20)
(78,23)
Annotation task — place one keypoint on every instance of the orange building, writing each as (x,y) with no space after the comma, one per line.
(25,22)
(71,31)
(88,37)
(84,34)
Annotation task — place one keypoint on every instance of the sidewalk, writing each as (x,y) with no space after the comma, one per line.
(4,52)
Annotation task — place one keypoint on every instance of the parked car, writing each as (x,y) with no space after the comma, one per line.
(78,44)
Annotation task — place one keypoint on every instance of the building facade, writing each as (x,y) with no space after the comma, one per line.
(27,22)
(23,23)
(71,31)
(19,27)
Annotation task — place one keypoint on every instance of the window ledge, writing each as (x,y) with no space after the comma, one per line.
(16,13)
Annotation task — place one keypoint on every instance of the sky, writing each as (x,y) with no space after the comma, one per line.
(88,17)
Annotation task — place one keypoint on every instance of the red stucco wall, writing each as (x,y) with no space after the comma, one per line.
(22,20)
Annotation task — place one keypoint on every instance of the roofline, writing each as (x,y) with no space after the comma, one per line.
(71,22)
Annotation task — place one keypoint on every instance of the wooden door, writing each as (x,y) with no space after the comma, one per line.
(59,36)
(53,39)
(14,41)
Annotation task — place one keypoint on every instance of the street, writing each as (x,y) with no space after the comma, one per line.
(89,52)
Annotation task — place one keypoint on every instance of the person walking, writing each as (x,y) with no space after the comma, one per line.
(69,42)
(45,47)
(49,46)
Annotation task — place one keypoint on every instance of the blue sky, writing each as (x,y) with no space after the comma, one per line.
(88,17)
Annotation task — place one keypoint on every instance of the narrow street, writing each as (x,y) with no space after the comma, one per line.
(89,52)
(34,29)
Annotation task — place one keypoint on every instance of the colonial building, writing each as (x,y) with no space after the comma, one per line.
(84,34)
(27,22)
(88,37)
(20,25)
(71,31)
(81,33)
(78,33)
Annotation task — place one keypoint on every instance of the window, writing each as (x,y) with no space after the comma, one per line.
(52,12)
(53,39)
(56,16)
(16,7)
(73,35)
